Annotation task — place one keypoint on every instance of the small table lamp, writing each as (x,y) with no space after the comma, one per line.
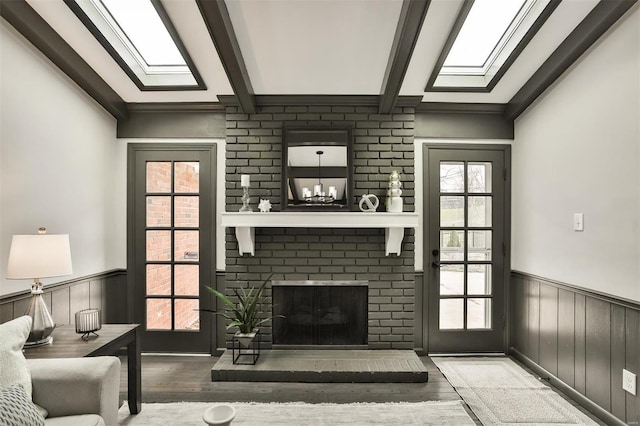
(35,257)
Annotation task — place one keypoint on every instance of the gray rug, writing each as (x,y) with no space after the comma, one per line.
(500,392)
(298,413)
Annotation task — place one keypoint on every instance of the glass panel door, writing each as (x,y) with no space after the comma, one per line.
(465,275)
(173,250)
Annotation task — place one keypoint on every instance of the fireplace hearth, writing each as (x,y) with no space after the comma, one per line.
(320,313)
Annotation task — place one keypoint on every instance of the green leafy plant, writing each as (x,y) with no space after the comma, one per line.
(246,313)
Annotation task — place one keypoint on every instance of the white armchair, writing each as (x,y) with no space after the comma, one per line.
(77,391)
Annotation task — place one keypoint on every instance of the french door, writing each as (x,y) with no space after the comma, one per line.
(171,236)
(465,248)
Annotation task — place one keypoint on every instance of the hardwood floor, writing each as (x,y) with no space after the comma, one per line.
(188,378)
(168,378)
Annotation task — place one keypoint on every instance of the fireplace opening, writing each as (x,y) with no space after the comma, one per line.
(320,313)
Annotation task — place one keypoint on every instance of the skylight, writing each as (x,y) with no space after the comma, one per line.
(142,25)
(140,37)
(487,41)
(481,32)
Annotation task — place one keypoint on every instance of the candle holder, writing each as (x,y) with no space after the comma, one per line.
(245,200)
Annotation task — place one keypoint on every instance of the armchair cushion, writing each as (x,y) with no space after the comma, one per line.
(13,366)
(17,409)
(75,386)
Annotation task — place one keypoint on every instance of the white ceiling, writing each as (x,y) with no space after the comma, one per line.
(313,47)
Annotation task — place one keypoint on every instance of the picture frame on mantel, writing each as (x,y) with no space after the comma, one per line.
(317,168)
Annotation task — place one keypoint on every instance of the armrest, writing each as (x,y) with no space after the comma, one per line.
(71,386)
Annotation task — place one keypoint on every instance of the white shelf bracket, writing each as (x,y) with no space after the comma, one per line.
(246,239)
(393,240)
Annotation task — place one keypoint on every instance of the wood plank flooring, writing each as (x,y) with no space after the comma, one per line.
(188,378)
(167,378)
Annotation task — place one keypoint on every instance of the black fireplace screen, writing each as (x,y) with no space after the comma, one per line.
(320,315)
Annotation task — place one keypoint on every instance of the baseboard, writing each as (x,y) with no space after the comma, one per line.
(582,400)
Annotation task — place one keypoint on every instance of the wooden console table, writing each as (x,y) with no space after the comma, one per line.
(112,337)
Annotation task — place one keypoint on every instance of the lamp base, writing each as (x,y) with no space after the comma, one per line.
(42,325)
(45,341)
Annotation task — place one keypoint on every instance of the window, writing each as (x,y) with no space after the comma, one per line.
(486,39)
(140,37)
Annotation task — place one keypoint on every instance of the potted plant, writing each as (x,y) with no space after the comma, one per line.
(245,314)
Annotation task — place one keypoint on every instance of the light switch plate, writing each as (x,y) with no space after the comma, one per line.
(578,221)
(629,381)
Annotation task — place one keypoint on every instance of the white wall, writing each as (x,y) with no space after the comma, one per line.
(576,150)
(58,149)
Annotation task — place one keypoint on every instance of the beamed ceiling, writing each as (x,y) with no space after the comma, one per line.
(256,52)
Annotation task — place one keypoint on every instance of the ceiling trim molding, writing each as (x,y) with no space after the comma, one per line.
(596,23)
(175,107)
(357,100)
(461,108)
(38,32)
(412,16)
(218,22)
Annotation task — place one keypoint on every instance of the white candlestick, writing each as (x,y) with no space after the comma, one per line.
(244,180)
(317,189)
(332,192)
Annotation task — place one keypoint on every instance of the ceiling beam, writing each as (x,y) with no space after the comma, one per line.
(596,23)
(38,32)
(411,18)
(216,17)
(331,100)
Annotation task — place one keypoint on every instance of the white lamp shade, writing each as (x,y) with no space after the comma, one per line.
(39,256)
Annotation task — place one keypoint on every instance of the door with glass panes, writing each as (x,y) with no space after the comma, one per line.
(171,245)
(465,251)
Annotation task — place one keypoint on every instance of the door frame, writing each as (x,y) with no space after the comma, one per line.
(207,298)
(505,149)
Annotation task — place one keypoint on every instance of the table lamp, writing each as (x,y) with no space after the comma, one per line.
(35,257)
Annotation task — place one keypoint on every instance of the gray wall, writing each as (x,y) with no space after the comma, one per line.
(106,291)
(580,339)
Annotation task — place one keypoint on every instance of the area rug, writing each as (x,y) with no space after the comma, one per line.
(500,392)
(298,413)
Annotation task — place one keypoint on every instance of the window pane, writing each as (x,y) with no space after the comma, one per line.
(158,280)
(479,211)
(143,26)
(451,177)
(452,211)
(159,314)
(451,279)
(158,245)
(159,211)
(478,313)
(479,176)
(483,28)
(187,314)
(478,245)
(187,211)
(451,314)
(158,177)
(451,245)
(186,246)
(187,177)
(479,279)
(187,279)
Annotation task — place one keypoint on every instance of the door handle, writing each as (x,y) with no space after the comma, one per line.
(435,265)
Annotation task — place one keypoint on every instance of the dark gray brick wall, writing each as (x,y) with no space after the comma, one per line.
(382,143)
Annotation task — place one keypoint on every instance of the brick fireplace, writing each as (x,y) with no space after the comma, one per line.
(381,143)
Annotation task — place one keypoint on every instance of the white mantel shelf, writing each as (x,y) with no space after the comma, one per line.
(246,222)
